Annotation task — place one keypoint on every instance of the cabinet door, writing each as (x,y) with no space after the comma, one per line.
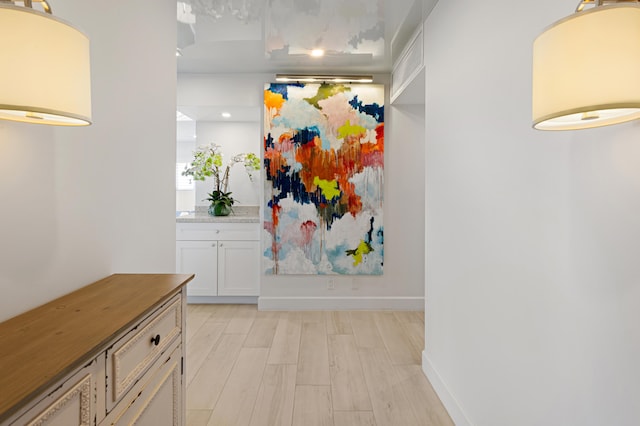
(238,268)
(200,258)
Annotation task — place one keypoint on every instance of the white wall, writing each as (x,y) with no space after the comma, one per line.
(531,280)
(402,285)
(79,204)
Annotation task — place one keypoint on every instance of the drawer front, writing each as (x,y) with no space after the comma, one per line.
(72,408)
(157,400)
(132,355)
(218,231)
(71,404)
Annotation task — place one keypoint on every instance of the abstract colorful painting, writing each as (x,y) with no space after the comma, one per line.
(324,164)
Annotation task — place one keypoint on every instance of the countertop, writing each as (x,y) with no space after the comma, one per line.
(239,214)
(43,345)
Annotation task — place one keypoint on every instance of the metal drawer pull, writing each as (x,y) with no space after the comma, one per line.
(156,340)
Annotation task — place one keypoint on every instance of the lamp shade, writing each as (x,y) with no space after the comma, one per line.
(586,69)
(45,71)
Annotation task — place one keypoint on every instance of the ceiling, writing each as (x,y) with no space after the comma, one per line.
(357,36)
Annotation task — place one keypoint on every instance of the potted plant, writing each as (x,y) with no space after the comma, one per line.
(221,203)
(207,162)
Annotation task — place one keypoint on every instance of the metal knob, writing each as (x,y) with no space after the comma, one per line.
(156,340)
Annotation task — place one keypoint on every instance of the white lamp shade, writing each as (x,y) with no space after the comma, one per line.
(586,69)
(45,71)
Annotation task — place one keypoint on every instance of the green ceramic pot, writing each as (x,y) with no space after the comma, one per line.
(219,210)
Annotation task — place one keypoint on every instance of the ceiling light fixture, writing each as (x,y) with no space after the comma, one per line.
(586,68)
(45,72)
(324,78)
(317,53)
(226,115)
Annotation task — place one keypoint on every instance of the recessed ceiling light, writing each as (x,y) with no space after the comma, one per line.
(178,51)
(316,53)
(226,115)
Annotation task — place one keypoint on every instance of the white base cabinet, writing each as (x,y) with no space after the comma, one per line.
(225,258)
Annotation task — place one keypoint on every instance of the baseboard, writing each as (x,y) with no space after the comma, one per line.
(235,300)
(340,303)
(448,400)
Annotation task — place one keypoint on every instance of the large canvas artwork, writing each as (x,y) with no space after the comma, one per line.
(324,163)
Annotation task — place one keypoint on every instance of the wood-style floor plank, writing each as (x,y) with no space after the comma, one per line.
(338,322)
(242,319)
(399,348)
(313,316)
(286,340)
(423,399)
(312,406)
(262,330)
(236,402)
(365,331)
(274,403)
(313,358)
(390,405)
(412,323)
(201,344)
(196,315)
(415,334)
(406,317)
(210,379)
(198,417)
(354,418)
(348,388)
(221,312)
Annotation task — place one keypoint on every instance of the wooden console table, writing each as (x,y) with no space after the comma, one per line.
(114,350)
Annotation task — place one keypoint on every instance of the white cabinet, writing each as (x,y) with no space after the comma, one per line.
(225,258)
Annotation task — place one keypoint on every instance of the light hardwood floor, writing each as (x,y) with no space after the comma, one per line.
(246,367)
